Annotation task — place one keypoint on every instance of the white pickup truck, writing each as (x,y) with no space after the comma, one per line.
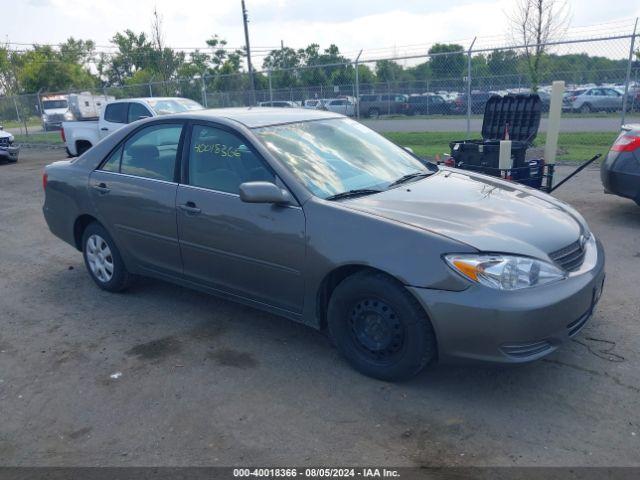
(80,136)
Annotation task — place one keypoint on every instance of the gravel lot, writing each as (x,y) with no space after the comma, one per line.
(207,382)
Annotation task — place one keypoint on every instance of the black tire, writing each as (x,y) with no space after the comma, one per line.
(586,108)
(379,327)
(120,277)
(373,113)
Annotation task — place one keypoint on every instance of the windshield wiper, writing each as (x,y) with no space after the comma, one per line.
(409,176)
(353,193)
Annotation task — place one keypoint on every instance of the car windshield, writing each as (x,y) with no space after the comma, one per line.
(50,104)
(338,155)
(163,106)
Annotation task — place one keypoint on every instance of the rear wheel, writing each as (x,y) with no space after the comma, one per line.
(379,327)
(102,259)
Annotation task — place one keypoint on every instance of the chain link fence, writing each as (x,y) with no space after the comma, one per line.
(441,92)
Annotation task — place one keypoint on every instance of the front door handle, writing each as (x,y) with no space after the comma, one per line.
(104,129)
(101,187)
(190,208)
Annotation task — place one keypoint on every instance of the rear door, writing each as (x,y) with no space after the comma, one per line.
(255,251)
(134,193)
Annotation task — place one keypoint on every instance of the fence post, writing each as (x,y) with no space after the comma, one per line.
(469,86)
(270,86)
(150,89)
(626,82)
(204,91)
(15,104)
(357,92)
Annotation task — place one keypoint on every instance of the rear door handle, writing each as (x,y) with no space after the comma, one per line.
(101,187)
(190,208)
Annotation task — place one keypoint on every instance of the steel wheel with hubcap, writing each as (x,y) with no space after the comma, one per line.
(99,258)
(102,258)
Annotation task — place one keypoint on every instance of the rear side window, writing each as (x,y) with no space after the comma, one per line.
(116,112)
(136,111)
(220,160)
(152,152)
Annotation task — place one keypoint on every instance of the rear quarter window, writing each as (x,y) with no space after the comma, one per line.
(116,112)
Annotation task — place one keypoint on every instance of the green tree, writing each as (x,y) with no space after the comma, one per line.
(447,61)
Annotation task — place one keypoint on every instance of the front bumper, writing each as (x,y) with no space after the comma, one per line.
(483,324)
(9,153)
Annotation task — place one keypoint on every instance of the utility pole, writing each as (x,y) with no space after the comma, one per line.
(245,20)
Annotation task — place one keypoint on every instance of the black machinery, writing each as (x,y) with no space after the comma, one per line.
(515,118)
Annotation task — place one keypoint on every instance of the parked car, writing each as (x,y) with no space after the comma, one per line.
(427,104)
(373,104)
(345,105)
(593,100)
(620,172)
(8,150)
(478,102)
(312,103)
(80,136)
(315,217)
(279,103)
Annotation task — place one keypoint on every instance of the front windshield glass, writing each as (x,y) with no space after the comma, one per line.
(163,106)
(51,104)
(338,155)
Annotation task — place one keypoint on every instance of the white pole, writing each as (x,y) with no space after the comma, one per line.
(553,126)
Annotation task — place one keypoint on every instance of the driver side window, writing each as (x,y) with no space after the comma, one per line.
(220,160)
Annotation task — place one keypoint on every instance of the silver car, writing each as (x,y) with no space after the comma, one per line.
(313,216)
(594,100)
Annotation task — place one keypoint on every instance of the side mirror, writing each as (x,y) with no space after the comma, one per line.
(264,192)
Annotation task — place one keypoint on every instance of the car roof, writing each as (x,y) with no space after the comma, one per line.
(147,99)
(255,117)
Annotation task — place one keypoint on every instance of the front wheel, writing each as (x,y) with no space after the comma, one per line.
(379,327)
(586,108)
(102,259)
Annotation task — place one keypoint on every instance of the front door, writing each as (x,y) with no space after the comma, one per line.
(134,193)
(255,251)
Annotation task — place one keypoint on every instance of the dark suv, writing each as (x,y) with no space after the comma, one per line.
(376,104)
(478,102)
(427,104)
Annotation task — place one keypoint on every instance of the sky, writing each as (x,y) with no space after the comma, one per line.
(382,28)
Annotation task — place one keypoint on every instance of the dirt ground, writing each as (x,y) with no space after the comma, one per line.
(162,375)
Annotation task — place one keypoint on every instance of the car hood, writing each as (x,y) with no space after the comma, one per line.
(488,214)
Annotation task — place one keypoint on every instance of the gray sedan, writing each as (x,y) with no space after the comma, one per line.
(313,216)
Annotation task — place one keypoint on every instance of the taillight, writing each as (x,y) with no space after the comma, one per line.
(45,178)
(64,139)
(626,143)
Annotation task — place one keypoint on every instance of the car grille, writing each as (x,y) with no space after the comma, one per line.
(524,350)
(4,142)
(55,117)
(570,257)
(575,326)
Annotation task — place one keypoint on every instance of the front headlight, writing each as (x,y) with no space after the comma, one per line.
(44,117)
(68,115)
(504,272)
(11,138)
